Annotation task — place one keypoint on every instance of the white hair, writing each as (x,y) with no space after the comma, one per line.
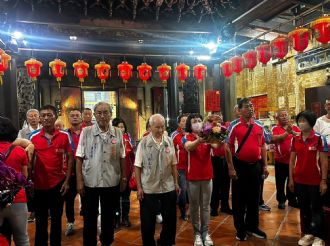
(154,117)
(32,110)
(103,103)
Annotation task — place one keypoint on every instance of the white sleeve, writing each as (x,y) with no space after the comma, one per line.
(138,156)
(19,134)
(317,126)
(81,147)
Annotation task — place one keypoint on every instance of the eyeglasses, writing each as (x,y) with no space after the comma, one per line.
(100,113)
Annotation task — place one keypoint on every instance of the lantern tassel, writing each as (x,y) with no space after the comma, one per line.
(59,84)
(49,71)
(1,81)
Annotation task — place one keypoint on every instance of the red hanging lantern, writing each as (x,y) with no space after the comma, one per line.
(183,72)
(125,71)
(200,72)
(280,47)
(33,68)
(237,64)
(299,38)
(250,59)
(264,53)
(58,69)
(102,72)
(227,68)
(4,63)
(164,72)
(144,72)
(81,70)
(321,29)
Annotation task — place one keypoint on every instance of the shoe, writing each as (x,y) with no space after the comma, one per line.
(306,240)
(281,205)
(208,240)
(241,236)
(318,242)
(69,229)
(294,204)
(32,217)
(184,217)
(227,211)
(126,223)
(214,213)
(264,207)
(198,240)
(159,218)
(257,233)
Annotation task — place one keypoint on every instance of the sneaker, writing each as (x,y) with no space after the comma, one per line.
(306,240)
(281,205)
(257,233)
(198,240)
(184,217)
(318,242)
(32,217)
(208,240)
(241,236)
(69,229)
(159,218)
(264,207)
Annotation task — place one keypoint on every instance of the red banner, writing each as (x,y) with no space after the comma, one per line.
(212,100)
(260,104)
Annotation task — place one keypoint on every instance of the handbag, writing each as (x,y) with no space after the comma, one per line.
(132,182)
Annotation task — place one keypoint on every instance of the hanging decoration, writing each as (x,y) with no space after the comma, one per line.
(321,29)
(4,63)
(144,72)
(125,71)
(102,70)
(33,68)
(81,70)
(200,72)
(58,69)
(264,53)
(237,64)
(299,38)
(280,47)
(183,72)
(227,68)
(164,72)
(250,59)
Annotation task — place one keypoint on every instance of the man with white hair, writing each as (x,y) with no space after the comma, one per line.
(156,178)
(32,118)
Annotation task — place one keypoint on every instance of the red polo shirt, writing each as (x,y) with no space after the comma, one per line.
(180,151)
(218,152)
(74,139)
(199,161)
(251,150)
(282,149)
(16,160)
(307,169)
(48,170)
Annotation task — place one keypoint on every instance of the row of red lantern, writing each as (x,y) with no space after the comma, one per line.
(58,70)
(279,47)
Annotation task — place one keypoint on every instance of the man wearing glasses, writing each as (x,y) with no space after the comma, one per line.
(100,166)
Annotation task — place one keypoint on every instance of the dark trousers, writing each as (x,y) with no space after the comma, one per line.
(45,200)
(282,176)
(245,195)
(124,204)
(182,198)
(311,212)
(221,184)
(108,198)
(69,199)
(148,218)
(30,202)
(261,194)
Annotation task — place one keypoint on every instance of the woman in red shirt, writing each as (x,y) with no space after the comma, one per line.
(124,200)
(308,175)
(17,213)
(199,177)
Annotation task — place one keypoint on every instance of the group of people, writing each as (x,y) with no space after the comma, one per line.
(97,161)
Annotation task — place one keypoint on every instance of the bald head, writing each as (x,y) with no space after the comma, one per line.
(157,125)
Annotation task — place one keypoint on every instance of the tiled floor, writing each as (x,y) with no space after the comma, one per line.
(281,226)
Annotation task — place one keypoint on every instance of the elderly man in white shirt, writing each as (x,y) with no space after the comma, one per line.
(100,168)
(32,124)
(156,178)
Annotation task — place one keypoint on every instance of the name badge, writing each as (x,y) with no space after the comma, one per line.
(311,148)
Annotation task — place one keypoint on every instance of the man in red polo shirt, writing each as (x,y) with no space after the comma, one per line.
(282,135)
(246,166)
(50,181)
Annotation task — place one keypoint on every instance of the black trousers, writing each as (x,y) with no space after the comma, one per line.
(311,212)
(45,200)
(283,192)
(221,183)
(148,212)
(69,199)
(246,194)
(108,198)
(124,204)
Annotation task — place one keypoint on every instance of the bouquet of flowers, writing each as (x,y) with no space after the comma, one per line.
(213,131)
(10,183)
